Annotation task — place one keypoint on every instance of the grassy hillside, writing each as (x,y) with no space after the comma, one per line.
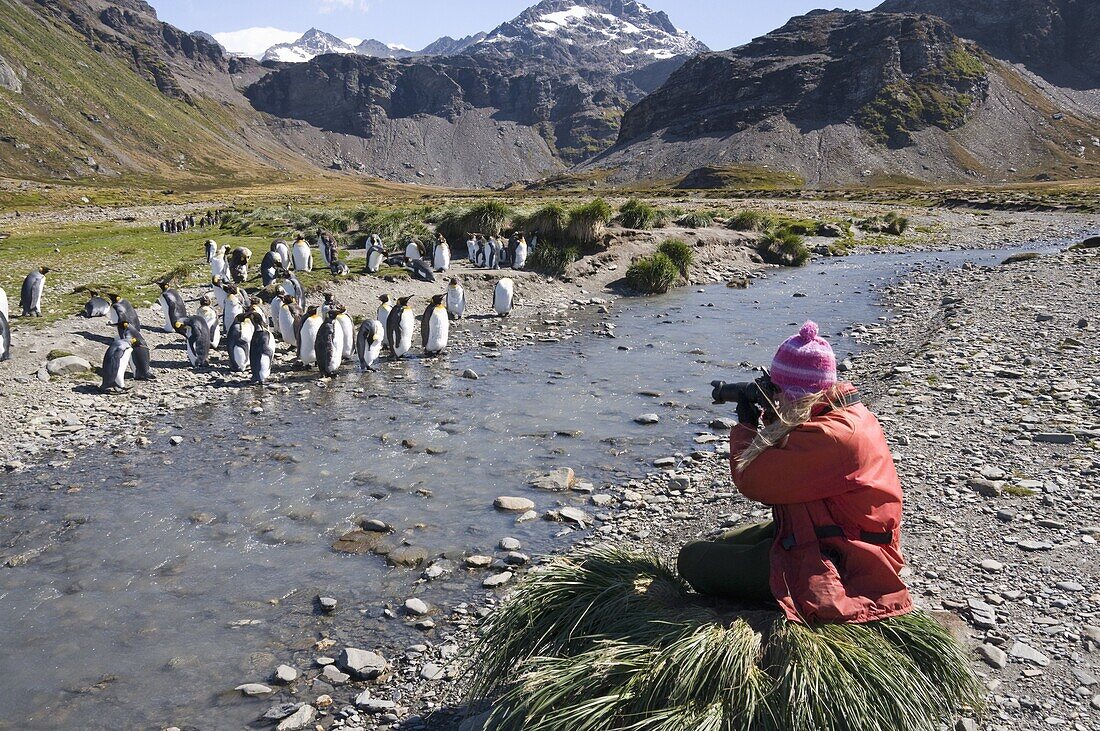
(87,114)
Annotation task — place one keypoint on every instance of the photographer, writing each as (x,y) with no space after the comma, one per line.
(808,447)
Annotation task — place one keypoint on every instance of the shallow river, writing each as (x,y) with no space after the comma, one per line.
(141,614)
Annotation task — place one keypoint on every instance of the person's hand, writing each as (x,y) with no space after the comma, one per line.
(748,413)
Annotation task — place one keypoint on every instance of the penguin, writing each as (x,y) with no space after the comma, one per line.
(375,254)
(282,251)
(442,257)
(384,316)
(234,306)
(30,297)
(96,306)
(4,304)
(339,269)
(399,327)
(172,306)
(369,343)
(239,342)
(421,271)
(328,347)
(5,338)
(140,357)
(472,249)
(122,311)
(412,252)
(503,297)
(293,287)
(115,363)
(213,322)
(488,256)
(302,255)
(197,332)
(288,313)
(261,350)
(498,253)
(219,267)
(238,264)
(347,332)
(219,291)
(456,300)
(211,247)
(519,260)
(435,327)
(307,335)
(270,266)
(330,250)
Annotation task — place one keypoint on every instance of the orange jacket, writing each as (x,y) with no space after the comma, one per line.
(837,504)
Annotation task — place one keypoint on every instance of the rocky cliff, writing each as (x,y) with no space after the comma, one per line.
(851,97)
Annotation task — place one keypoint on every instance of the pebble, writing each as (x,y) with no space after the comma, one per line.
(431,671)
(255,689)
(498,580)
(647,419)
(416,607)
(299,720)
(286,674)
(513,504)
(1027,653)
(994,656)
(363,664)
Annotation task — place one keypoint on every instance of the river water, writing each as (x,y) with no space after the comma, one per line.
(173,573)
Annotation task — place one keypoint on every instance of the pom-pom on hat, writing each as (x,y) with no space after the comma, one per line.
(804,364)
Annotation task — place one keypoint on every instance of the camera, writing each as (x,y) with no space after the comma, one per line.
(751,397)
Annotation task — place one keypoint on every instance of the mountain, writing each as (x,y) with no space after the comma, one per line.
(378,49)
(1057,39)
(617,35)
(312,43)
(538,93)
(447,46)
(843,98)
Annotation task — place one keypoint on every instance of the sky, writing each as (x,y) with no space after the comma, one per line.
(721,24)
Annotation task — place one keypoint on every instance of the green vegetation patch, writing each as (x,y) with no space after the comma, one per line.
(653,274)
(679,254)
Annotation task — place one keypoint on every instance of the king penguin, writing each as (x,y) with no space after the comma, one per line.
(96,306)
(270,266)
(302,255)
(399,328)
(261,350)
(239,342)
(30,296)
(211,247)
(307,335)
(5,338)
(368,343)
(435,327)
(115,362)
(347,332)
(383,316)
(283,251)
(219,267)
(293,287)
(141,357)
(456,299)
(196,330)
(238,264)
(234,306)
(442,255)
(213,322)
(520,259)
(329,348)
(375,254)
(4,304)
(503,297)
(122,311)
(288,314)
(171,306)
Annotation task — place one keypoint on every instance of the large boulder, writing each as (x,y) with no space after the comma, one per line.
(362,664)
(68,365)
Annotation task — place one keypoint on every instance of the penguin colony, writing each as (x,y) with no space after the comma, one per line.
(321,336)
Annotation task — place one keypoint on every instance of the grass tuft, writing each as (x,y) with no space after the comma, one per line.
(784,247)
(680,254)
(638,215)
(587,222)
(654,274)
(609,639)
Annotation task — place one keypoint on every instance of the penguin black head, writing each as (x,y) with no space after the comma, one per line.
(312,310)
(163,285)
(299,237)
(114,298)
(275,245)
(44,270)
(256,301)
(206,300)
(330,298)
(455,281)
(384,298)
(437,300)
(404,301)
(286,299)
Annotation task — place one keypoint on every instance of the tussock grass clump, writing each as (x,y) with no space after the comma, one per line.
(638,215)
(547,223)
(654,274)
(609,639)
(488,218)
(696,219)
(680,254)
(551,258)
(891,223)
(784,247)
(749,220)
(588,222)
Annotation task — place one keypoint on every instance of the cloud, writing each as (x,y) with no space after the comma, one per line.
(328,6)
(254,41)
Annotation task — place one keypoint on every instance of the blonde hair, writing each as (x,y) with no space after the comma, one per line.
(790,413)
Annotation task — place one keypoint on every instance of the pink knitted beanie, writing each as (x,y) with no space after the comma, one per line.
(804,364)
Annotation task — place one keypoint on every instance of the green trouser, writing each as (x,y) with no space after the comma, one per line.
(736,565)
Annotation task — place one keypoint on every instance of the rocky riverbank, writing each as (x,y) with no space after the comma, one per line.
(987,381)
